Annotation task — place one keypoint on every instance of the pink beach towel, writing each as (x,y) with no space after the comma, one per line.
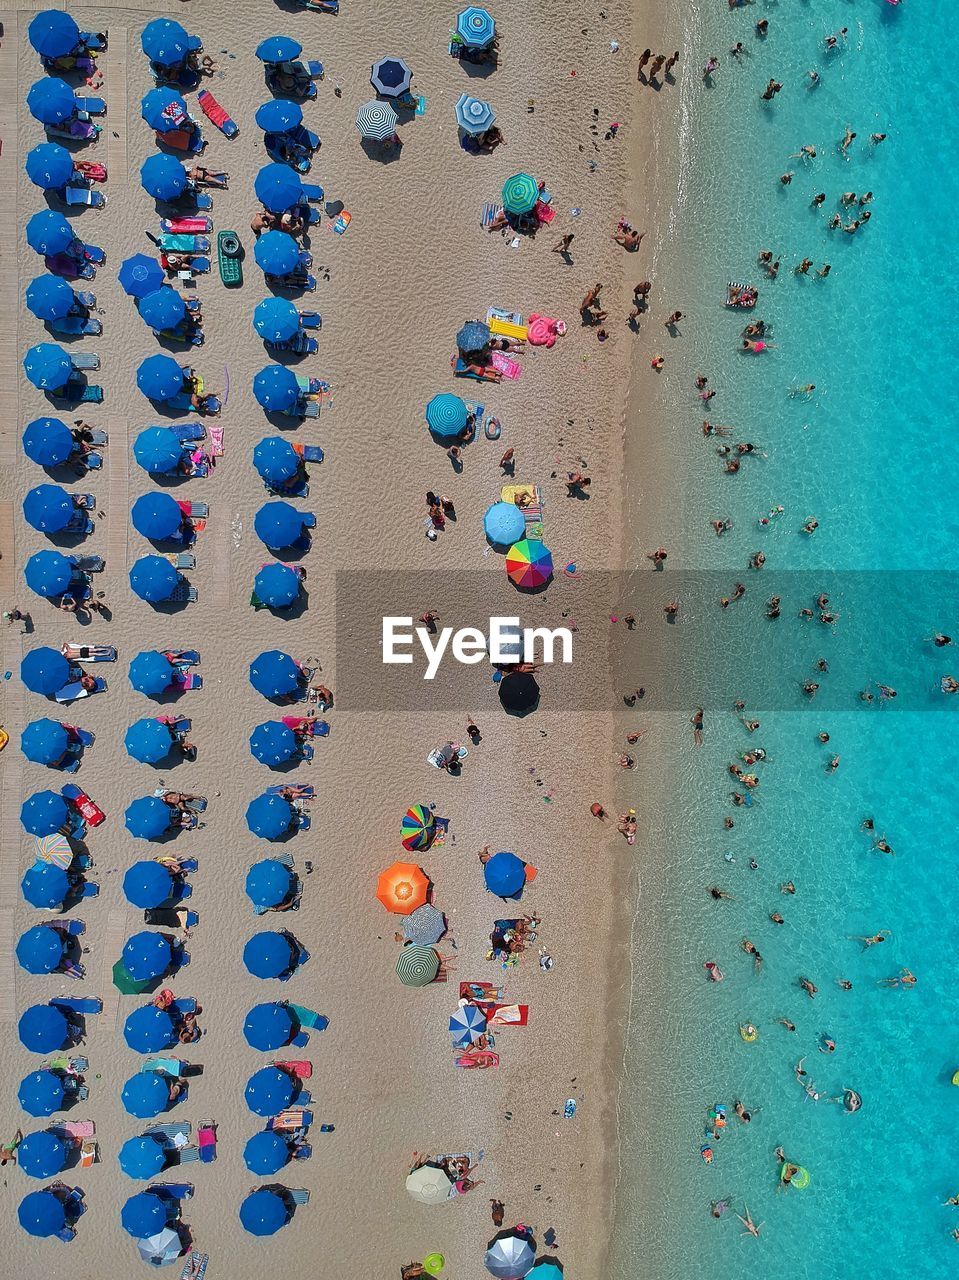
(216,441)
(507,367)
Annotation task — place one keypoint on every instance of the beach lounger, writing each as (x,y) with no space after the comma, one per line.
(311,320)
(78,1004)
(188,431)
(184,594)
(290,1120)
(461,371)
(75,130)
(182,560)
(85,298)
(187,226)
(309,1018)
(214,112)
(166,1066)
(84,196)
(85,361)
(175,242)
(281,148)
(206,1141)
(189,140)
(80,393)
(195,1266)
(298,1195)
(92,106)
(77,326)
(75,690)
(196,510)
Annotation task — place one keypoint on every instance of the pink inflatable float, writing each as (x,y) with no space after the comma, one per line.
(542,331)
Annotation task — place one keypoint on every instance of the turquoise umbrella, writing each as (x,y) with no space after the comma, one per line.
(520,193)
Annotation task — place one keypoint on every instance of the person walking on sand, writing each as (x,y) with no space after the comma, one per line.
(644,58)
(640,294)
(507,464)
(562,246)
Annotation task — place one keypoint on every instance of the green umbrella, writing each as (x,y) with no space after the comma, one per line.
(126,985)
(520,193)
(417,966)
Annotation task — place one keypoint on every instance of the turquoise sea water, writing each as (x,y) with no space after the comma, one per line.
(873,456)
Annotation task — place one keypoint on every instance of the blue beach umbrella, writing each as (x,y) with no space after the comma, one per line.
(43,813)
(43,1029)
(466,1024)
(268,883)
(160,378)
(475,27)
(143,1214)
(148,885)
(45,886)
(269,955)
(153,579)
(41,1093)
(279,116)
(44,741)
(473,336)
(149,1029)
(266,1153)
(276,253)
(278,188)
(50,298)
(278,49)
(148,818)
(156,515)
(142,1157)
(53,33)
(272,742)
(165,42)
(473,115)
(503,524)
(40,949)
(151,672)
(163,109)
(42,1155)
(505,875)
(263,1213)
(269,1026)
(148,741)
(157,450)
(163,309)
(163,177)
(277,586)
(47,441)
(44,670)
(48,573)
(276,319)
(269,816)
(49,233)
(276,389)
(146,1095)
(269,1091)
(278,524)
(275,460)
(140,275)
(48,508)
(49,166)
(42,1214)
(47,366)
(446,415)
(146,955)
(376,120)
(274,674)
(51,101)
(390,77)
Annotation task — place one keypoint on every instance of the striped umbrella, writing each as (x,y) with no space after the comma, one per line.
(446,415)
(54,849)
(466,1024)
(417,966)
(473,114)
(425,925)
(520,193)
(377,120)
(417,827)
(529,564)
(475,27)
(391,77)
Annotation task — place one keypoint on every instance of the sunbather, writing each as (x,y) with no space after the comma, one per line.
(89,653)
(302,791)
(506,344)
(204,177)
(485,371)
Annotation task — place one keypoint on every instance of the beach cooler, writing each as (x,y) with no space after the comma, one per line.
(213,111)
(206,1141)
(91,812)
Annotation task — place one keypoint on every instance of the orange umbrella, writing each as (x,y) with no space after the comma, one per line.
(402,888)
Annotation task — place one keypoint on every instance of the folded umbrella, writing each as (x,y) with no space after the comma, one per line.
(47,366)
(44,670)
(163,177)
(49,233)
(473,115)
(140,275)
(274,674)
(49,166)
(278,49)
(51,101)
(279,116)
(44,741)
(278,188)
(158,450)
(276,320)
(277,253)
(391,77)
(276,389)
(48,441)
(48,573)
(157,515)
(153,579)
(160,378)
(376,120)
(165,42)
(53,34)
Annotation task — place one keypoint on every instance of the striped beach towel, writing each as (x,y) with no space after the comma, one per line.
(491,209)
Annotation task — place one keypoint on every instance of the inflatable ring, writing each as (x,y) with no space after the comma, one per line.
(492,428)
(4,738)
(748,1032)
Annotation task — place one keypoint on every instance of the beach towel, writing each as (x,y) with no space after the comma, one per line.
(471,1059)
(491,210)
(216,441)
(506,1015)
(543,212)
(206,1141)
(188,226)
(441,828)
(298,1067)
(479,992)
(77,1129)
(213,111)
(506,366)
(341,222)
(291,1119)
(309,1017)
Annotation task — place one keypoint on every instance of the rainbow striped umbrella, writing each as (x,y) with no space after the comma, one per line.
(529,564)
(55,849)
(417,827)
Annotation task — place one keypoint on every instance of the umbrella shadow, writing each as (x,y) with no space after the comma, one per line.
(284,421)
(279,355)
(381,153)
(479,70)
(290,612)
(62,399)
(167,607)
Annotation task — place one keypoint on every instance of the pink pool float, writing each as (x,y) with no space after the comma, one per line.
(542,331)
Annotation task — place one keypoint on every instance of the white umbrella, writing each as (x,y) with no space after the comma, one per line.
(510,1256)
(161,1248)
(430,1184)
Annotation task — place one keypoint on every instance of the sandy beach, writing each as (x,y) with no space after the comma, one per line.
(412,266)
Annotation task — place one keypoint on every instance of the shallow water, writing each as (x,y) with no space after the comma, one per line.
(872,456)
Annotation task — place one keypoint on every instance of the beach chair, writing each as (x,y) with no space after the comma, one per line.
(215,113)
(183,593)
(311,320)
(189,431)
(75,690)
(177,242)
(92,106)
(76,130)
(84,196)
(206,1141)
(85,361)
(77,326)
(186,226)
(290,1120)
(188,140)
(195,1266)
(281,148)
(198,510)
(182,560)
(165,1066)
(80,393)
(298,1195)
